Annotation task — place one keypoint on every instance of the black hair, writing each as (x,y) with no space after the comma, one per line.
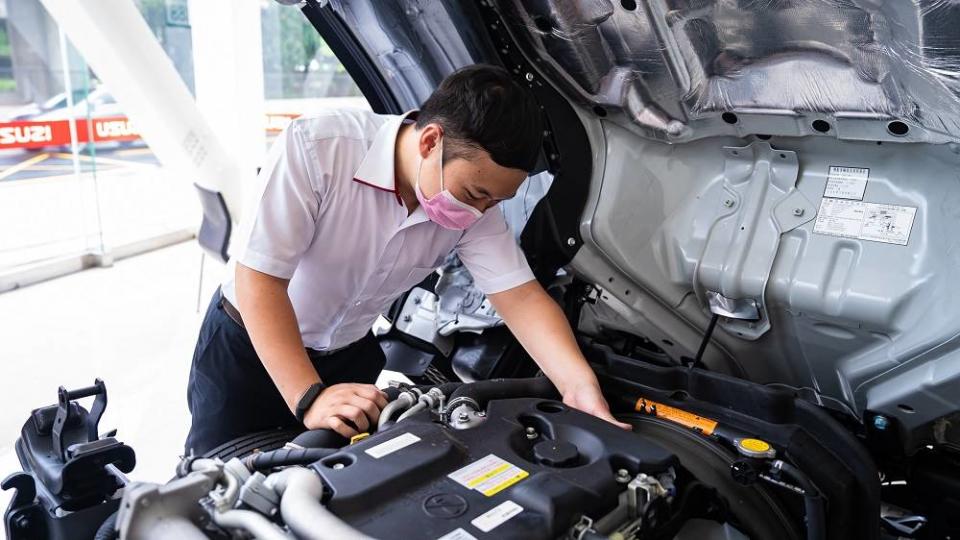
(483,107)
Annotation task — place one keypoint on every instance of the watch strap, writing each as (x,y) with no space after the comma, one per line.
(307,398)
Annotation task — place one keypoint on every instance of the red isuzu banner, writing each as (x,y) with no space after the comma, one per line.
(41,134)
(46,133)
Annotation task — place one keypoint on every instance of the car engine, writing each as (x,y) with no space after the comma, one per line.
(490,459)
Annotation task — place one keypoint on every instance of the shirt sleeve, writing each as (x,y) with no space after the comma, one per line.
(491,254)
(280,215)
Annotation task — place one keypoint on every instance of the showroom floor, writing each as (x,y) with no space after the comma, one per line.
(133,325)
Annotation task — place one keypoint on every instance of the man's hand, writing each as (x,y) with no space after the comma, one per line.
(346,408)
(588,398)
(544,332)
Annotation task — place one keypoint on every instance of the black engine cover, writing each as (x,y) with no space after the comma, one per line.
(403,482)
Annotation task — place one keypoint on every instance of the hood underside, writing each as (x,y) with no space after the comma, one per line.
(683,69)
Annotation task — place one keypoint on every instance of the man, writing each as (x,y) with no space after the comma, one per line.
(351,210)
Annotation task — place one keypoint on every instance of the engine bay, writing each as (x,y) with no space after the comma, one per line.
(489,459)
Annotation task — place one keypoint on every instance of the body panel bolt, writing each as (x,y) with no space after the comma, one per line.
(798,212)
(623,476)
(463,417)
(880,422)
(407,318)
(571,241)
(531,433)
(529,77)
(728,203)
(338,466)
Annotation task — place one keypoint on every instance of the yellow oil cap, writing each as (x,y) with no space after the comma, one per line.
(755,448)
(359,437)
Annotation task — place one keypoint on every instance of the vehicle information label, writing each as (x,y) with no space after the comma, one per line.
(846,182)
(497,516)
(488,475)
(392,445)
(887,223)
(458,534)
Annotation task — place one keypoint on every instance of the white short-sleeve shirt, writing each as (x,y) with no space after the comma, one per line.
(325,214)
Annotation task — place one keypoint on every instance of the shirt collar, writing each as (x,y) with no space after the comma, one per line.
(376,170)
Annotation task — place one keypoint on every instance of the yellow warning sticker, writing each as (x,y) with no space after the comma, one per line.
(488,475)
(679,416)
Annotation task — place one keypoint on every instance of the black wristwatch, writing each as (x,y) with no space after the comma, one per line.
(307,398)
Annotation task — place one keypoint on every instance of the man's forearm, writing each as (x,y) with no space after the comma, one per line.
(540,326)
(272,325)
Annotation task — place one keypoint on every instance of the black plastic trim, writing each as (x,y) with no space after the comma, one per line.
(353,57)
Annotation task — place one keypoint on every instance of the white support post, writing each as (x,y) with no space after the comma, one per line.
(117,43)
(228,74)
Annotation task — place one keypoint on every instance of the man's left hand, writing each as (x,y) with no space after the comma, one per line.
(588,398)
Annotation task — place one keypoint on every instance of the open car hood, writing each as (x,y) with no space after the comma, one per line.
(669,69)
(788,166)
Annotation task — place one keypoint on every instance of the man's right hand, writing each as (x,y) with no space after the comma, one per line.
(341,405)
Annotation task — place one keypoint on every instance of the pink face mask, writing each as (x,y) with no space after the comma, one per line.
(443,208)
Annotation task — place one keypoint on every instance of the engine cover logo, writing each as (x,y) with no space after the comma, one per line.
(445,505)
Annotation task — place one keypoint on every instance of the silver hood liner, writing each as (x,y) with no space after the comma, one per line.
(670,69)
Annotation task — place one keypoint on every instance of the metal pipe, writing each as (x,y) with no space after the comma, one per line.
(403,403)
(252,522)
(300,491)
(421,405)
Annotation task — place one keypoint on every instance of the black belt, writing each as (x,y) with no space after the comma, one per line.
(231,311)
(234,315)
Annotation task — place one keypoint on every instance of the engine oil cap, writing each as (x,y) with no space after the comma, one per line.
(755,448)
(556,453)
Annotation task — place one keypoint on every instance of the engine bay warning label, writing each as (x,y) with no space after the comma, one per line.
(887,223)
(846,182)
(678,416)
(492,519)
(488,475)
(392,445)
(458,534)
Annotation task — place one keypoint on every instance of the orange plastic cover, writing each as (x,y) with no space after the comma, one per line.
(679,416)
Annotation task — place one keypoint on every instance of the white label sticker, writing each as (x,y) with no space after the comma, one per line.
(846,182)
(497,516)
(392,445)
(458,534)
(886,223)
(488,475)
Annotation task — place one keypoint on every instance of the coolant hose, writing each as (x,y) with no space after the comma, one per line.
(258,526)
(300,491)
(485,391)
(813,501)
(263,461)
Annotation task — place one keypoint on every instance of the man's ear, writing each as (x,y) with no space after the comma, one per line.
(429,138)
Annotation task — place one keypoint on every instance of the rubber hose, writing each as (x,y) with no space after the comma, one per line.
(813,503)
(300,492)
(485,391)
(283,457)
(108,529)
(320,438)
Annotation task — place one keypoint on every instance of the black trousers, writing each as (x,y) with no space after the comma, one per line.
(230,394)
